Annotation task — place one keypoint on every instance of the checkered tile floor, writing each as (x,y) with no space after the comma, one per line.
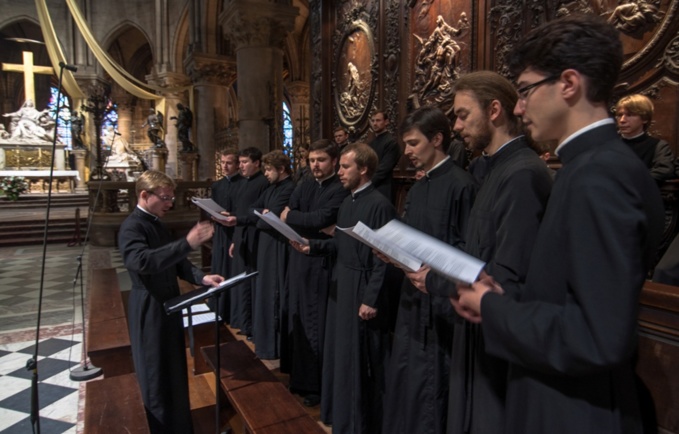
(57,394)
(59,352)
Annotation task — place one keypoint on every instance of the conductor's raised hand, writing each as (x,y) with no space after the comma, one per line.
(200,233)
(212,279)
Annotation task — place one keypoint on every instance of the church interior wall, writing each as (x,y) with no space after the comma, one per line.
(387,40)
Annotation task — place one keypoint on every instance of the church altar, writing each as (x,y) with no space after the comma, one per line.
(29,156)
(64,180)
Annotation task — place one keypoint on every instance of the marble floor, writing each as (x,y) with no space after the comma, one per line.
(60,337)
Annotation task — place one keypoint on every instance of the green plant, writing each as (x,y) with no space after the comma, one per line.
(13,186)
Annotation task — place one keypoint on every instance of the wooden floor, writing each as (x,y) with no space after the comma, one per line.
(202,396)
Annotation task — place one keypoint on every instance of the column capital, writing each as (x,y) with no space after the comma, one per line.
(214,69)
(168,79)
(299,92)
(248,23)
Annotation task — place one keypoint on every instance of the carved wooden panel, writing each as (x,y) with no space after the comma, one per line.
(441,49)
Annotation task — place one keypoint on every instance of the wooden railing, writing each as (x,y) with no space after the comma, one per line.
(111,202)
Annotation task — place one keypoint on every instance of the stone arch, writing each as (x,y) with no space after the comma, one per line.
(11,83)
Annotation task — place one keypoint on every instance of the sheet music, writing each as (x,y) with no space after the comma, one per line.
(200,314)
(204,294)
(364,234)
(210,206)
(279,225)
(450,262)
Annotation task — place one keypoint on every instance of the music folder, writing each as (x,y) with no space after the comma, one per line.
(198,295)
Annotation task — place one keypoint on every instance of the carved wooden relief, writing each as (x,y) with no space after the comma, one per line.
(440,42)
(354,72)
(355,75)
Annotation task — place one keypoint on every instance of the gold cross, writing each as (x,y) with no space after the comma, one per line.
(29,71)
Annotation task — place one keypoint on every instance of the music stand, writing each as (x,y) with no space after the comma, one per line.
(199,295)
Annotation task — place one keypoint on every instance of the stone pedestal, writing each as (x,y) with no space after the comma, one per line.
(158,159)
(189,166)
(80,154)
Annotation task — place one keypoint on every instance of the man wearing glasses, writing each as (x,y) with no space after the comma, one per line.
(154,261)
(570,338)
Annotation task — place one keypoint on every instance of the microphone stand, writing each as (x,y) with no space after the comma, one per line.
(32,363)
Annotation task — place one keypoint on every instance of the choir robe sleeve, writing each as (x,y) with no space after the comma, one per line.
(275,203)
(663,162)
(139,257)
(590,322)
(389,160)
(375,283)
(522,208)
(319,218)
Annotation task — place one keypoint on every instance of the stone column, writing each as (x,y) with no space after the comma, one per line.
(298,91)
(170,79)
(158,159)
(80,155)
(189,166)
(258,31)
(212,76)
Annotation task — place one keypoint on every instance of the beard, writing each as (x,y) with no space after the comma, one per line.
(483,138)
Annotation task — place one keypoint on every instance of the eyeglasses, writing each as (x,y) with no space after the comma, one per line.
(163,198)
(523,91)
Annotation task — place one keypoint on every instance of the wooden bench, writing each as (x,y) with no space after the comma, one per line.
(114,405)
(658,352)
(108,339)
(263,403)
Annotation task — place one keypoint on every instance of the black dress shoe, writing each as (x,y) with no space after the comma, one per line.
(249,338)
(312,400)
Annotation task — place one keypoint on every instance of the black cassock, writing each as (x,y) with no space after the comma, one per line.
(388,153)
(223,192)
(313,206)
(154,261)
(356,350)
(571,339)
(245,250)
(269,300)
(503,225)
(417,377)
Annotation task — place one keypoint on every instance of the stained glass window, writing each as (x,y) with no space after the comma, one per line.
(287,133)
(64,118)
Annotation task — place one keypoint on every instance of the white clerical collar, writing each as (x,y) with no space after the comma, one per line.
(583,131)
(633,137)
(438,165)
(361,188)
(486,154)
(152,215)
(321,181)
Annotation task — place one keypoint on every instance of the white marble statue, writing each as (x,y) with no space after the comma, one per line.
(29,124)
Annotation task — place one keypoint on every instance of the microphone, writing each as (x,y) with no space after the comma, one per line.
(71,68)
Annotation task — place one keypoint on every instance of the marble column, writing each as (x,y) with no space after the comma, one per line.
(170,79)
(258,31)
(212,76)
